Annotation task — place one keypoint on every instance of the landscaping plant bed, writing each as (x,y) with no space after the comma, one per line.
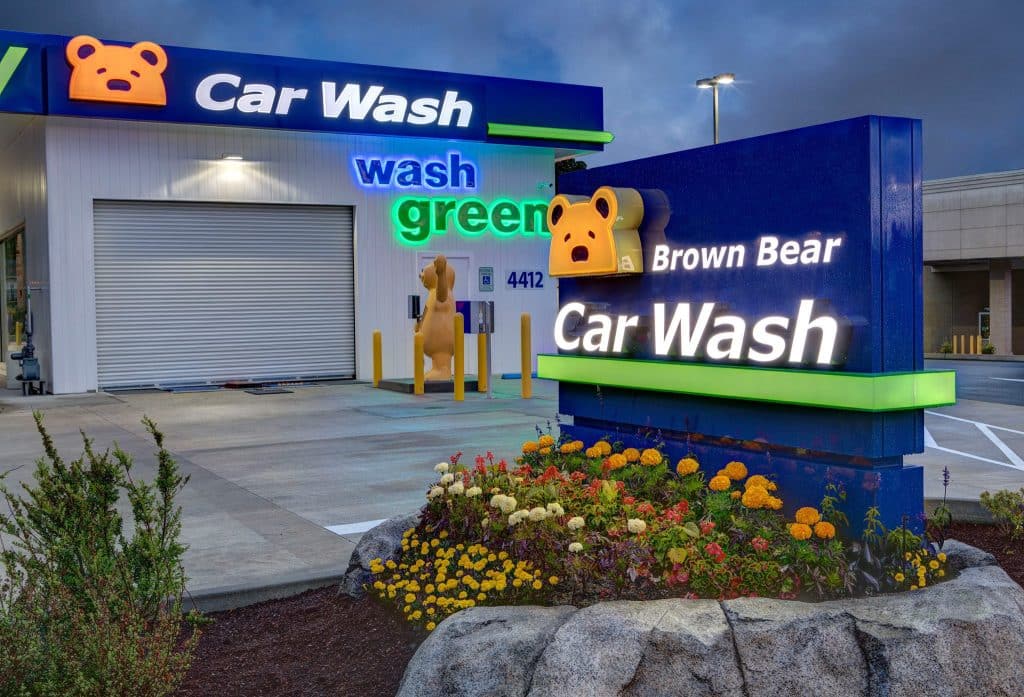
(990,538)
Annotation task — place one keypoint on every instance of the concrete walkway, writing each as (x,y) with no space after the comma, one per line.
(283,485)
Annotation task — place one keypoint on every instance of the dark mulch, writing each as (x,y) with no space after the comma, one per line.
(1008,553)
(317,643)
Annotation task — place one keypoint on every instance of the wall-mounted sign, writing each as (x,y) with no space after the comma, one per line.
(142,81)
(525,280)
(486,279)
(417,218)
(769,266)
(451,172)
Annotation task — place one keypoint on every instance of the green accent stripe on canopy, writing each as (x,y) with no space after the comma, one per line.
(576,135)
(874,392)
(9,63)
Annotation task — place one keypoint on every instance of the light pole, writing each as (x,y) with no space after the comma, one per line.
(712,83)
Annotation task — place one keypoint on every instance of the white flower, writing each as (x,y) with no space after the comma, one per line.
(538,513)
(496,500)
(495,490)
(435,492)
(556,509)
(474,491)
(508,504)
(457,489)
(575,523)
(441,467)
(575,547)
(513,519)
(636,526)
(447,479)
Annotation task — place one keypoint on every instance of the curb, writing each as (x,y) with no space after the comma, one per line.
(963,510)
(221,598)
(974,357)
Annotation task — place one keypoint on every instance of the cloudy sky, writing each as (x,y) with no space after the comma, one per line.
(957,65)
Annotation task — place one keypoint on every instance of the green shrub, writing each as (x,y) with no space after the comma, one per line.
(1007,507)
(946,347)
(86,609)
(988,349)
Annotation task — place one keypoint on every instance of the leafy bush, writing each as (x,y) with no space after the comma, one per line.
(946,347)
(988,349)
(1007,507)
(569,524)
(84,608)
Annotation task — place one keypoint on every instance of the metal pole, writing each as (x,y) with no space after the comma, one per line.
(714,90)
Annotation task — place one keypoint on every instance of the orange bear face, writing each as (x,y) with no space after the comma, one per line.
(582,242)
(121,74)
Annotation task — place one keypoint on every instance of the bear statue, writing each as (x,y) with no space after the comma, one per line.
(437,324)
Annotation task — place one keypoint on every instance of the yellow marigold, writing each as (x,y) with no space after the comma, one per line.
(719,483)
(900,578)
(825,530)
(735,471)
(757,480)
(808,515)
(941,556)
(530,447)
(755,497)
(650,457)
(593,452)
(616,461)
(800,531)
(567,448)
(631,454)
(604,446)
(774,503)
(734,495)
(687,466)
(545,451)
(546,441)
(933,564)
(578,445)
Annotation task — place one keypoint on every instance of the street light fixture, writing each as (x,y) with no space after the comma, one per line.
(712,83)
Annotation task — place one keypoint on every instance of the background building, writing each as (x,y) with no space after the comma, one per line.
(974,260)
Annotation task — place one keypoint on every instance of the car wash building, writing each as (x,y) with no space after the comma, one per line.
(178,216)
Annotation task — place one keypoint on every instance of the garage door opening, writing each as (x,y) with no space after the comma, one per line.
(206,293)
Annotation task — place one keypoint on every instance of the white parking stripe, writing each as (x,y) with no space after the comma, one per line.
(1010,379)
(968,421)
(353,528)
(1010,455)
(973,457)
(929,442)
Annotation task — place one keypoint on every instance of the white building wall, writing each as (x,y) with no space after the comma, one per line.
(974,217)
(23,202)
(96,159)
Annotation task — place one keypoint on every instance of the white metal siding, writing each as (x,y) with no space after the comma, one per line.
(208,292)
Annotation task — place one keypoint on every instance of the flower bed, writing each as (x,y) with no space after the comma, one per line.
(567,524)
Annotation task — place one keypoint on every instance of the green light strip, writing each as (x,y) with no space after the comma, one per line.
(849,391)
(9,63)
(511,130)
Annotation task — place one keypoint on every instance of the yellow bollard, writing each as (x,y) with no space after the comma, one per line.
(526,355)
(979,343)
(378,367)
(460,358)
(972,343)
(956,344)
(17,333)
(417,363)
(481,362)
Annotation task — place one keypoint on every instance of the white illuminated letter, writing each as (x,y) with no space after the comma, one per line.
(776,344)
(766,254)
(625,321)
(560,340)
(828,326)
(204,91)
(830,245)
(452,104)
(423,111)
(599,333)
(660,262)
(728,343)
(689,340)
(350,98)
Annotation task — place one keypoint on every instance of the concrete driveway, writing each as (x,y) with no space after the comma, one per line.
(282,484)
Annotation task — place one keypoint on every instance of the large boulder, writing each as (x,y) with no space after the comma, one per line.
(381,542)
(961,637)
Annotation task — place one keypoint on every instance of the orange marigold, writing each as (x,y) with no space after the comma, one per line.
(800,531)
(825,530)
(545,451)
(593,452)
(650,457)
(808,515)
(530,447)
(774,503)
(755,497)
(546,441)
(757,480)
(687,466)
(719,483)
(735,471)
(616,461)
(567,448)
(631,454)
(604,446)
(734,495)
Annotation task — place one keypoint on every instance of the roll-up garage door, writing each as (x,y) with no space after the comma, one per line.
(191,293)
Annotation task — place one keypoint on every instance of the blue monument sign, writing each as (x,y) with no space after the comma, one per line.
(758,300)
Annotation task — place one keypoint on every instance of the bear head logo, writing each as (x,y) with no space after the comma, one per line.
(119,74)
(582,241)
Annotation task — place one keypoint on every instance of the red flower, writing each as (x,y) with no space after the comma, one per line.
(490,456)
(628,500)
(577,477)
(706,527)
(683,507)
(502,466)
(480,460)
(714,551)
(645,508)
(621,486)
(759,543)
